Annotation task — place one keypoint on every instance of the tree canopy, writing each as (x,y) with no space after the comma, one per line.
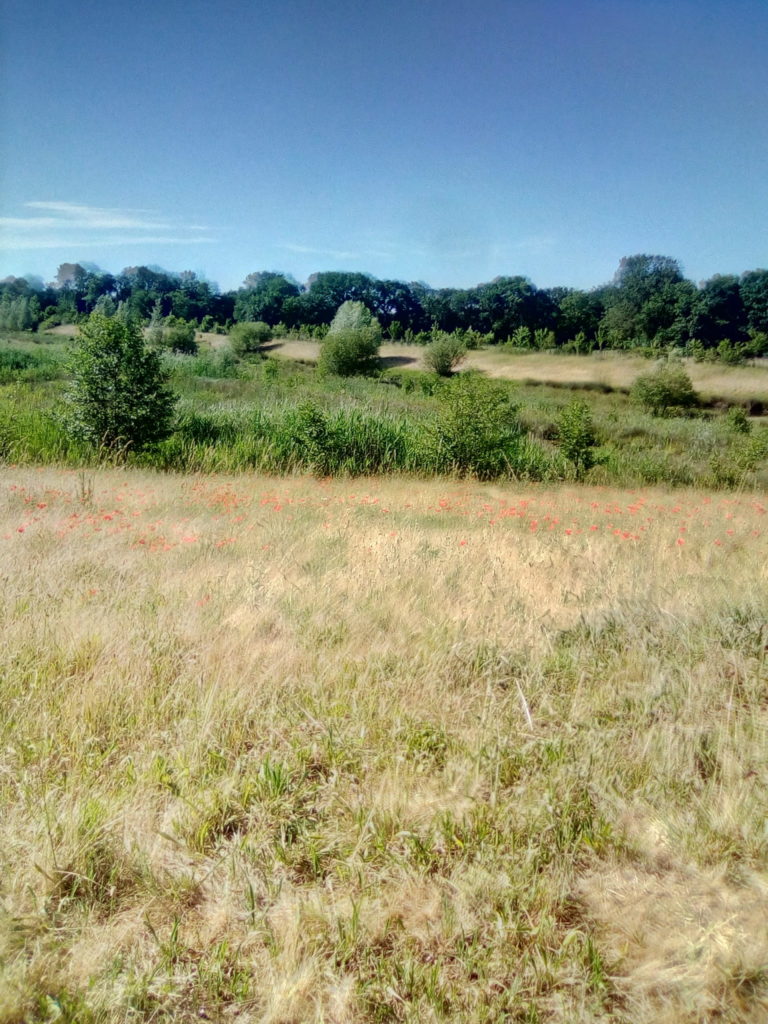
(648,303)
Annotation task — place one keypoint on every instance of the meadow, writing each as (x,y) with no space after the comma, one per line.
(275,413)
(284,749)
(611,370)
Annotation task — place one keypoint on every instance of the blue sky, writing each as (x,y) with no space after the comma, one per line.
(440,140)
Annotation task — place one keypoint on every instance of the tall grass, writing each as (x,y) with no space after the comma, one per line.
(295,750)
(279,417)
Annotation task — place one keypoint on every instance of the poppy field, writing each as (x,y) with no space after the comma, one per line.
(380,749)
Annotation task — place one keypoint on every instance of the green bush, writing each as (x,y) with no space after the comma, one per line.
(350,351)
(118,399)
(576,436)
(477,431)
(445,354)
(737,420)
(246,337)
(179,336)
(668,388)
(730,354)
(757,345)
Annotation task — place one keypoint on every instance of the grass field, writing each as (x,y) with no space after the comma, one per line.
(616,370)
(245,416)
(295,750)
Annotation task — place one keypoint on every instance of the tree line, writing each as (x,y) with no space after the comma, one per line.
(648,304)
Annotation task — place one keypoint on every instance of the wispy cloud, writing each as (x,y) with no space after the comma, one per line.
(53,225)
(336,254)
(309,250)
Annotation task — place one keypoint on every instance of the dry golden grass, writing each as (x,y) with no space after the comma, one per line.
(614,369)
(303,751)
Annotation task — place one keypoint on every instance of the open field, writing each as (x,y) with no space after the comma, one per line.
(272,413)
(613,369)
(289,750)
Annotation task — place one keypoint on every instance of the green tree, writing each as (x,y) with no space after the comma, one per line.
(754,295)
(352,343)
(718,311)
(180,336)
(350,352)
(155,329)
(119,397)
(352,316)
(263,297)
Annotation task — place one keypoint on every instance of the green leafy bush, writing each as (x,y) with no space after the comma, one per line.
(445,354)
(477,430)
(118,398)
(350,351)
(737,420)
(246,337)
(179,336)
(730,354)
(666,389)
(351,345)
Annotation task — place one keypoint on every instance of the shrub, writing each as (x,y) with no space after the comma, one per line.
(757,345)
(179,336)
(119,397)
(576,436)
(729,353)
(350,351)
(155,330)
(247,337)
(444,354)
(477,430)
(543,340)
(665,389)
(737,420)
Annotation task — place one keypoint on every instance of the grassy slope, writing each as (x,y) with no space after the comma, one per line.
(294,751)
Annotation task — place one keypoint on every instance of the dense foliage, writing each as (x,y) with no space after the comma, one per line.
(118,398)
(668,387)
(248,337)
(352,343)
(445,353)
(649,304)
(576,436)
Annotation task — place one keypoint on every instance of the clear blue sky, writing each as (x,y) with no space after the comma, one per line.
(448,141)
